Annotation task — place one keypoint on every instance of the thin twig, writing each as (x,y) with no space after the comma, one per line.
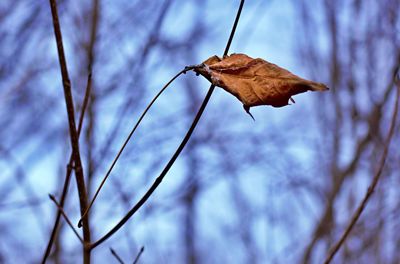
(68,171)
(114,253)
(159,179)
(138,256)
(80,180)
(188,68)
(375,180)
(61,210)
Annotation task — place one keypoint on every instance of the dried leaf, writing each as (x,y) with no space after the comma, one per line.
(255,81)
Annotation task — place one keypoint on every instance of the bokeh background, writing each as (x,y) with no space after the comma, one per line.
(278,190)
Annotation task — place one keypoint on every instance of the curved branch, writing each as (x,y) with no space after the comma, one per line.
(159,179)
(128,138)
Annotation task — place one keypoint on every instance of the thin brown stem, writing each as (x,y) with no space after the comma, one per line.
(375,180)
(72,130)
(61,210)
(164,172)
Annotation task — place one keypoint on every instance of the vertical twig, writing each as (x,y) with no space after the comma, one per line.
(91,113)
(72,130)
(159,179)
(376,178)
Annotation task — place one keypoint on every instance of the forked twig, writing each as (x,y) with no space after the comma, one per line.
(114,253)
(159,179)
(376,178)
(61,210)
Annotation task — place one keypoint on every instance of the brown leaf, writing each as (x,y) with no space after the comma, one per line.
(255,81)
